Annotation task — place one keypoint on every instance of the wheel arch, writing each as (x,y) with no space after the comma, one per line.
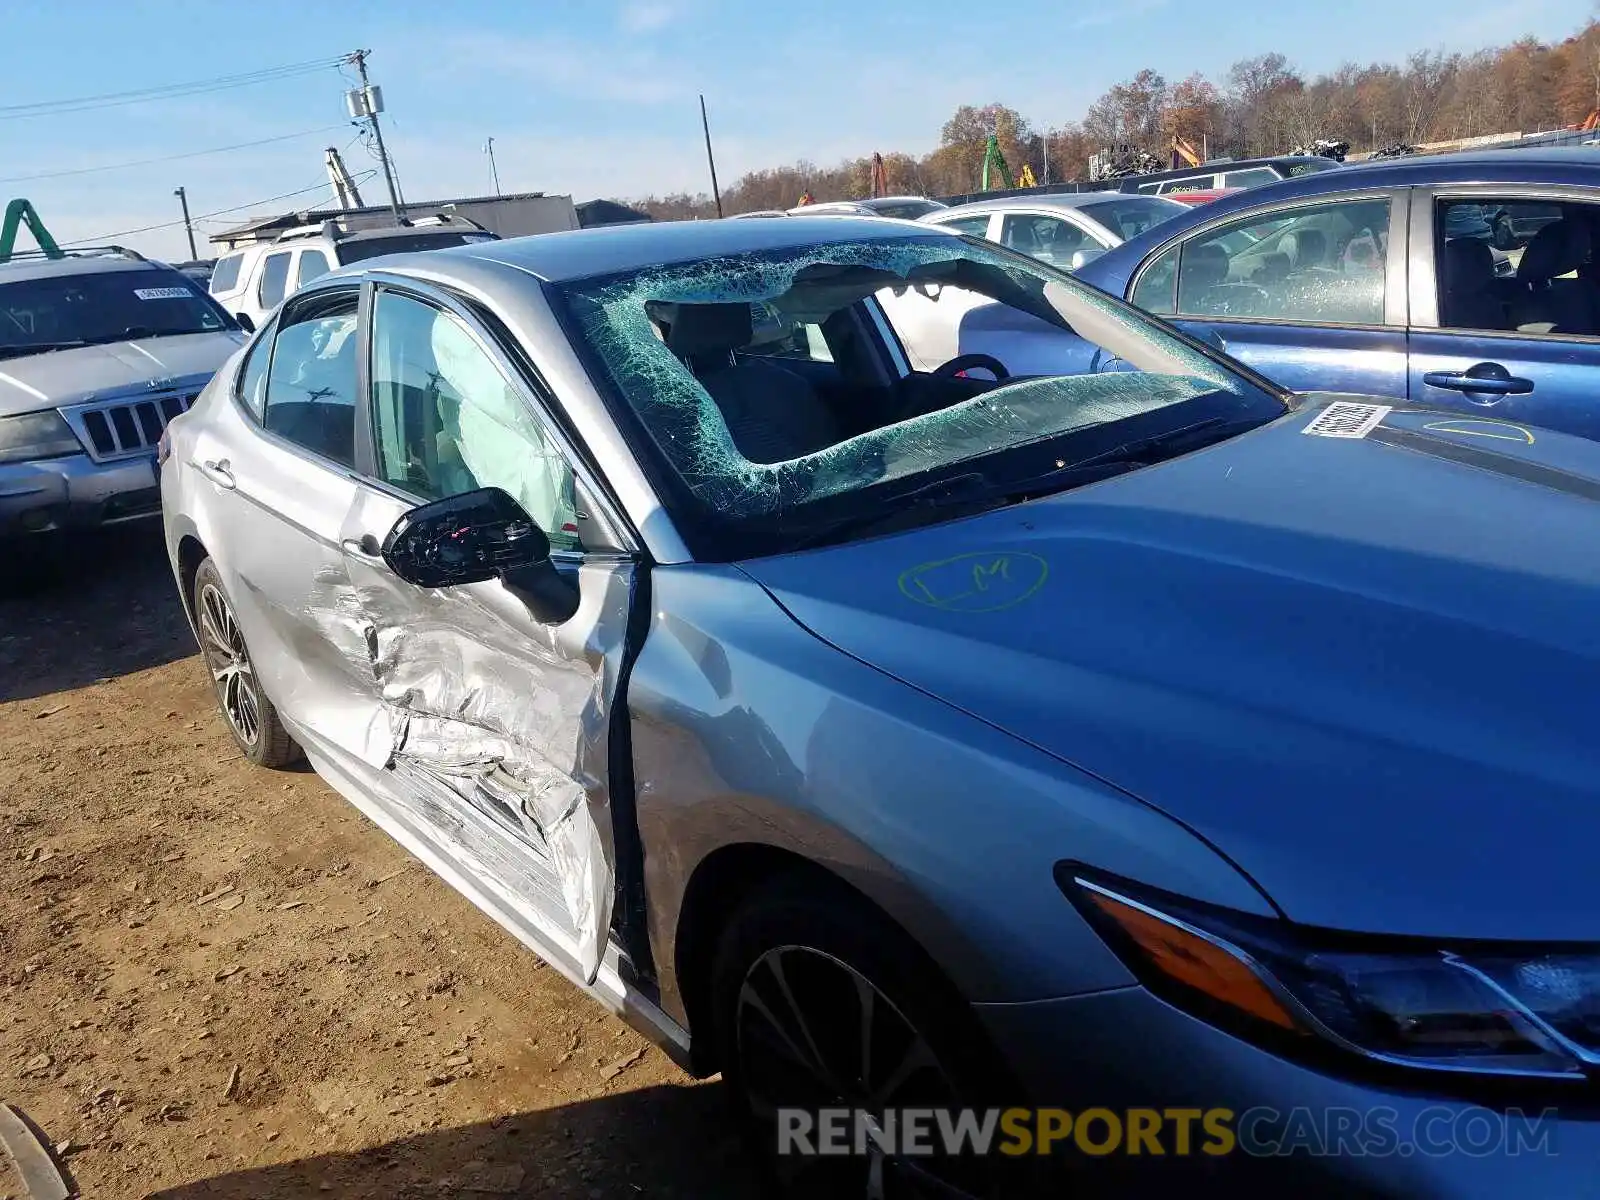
(721,883)
(191,553)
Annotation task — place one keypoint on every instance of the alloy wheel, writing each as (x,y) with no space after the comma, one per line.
(223,647)
(814,1033)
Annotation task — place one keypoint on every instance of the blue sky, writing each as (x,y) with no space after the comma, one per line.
(598,97)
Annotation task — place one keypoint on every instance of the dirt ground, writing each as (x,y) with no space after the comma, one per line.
(222,982)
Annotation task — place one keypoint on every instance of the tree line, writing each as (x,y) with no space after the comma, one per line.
(1263,105)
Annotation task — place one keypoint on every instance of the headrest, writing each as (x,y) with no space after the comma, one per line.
(1559,247)
(709,328)
(1311,246)
(1204,265)
(1468,262)
(1274,266)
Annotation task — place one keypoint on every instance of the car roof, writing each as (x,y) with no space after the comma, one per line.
(18,270)
(1053,200)
(879,200)
(1212,166)
(580,253)
(410,231)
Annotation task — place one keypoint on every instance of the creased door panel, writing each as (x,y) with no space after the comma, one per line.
(509,715)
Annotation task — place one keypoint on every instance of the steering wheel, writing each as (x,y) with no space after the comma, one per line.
(962,362)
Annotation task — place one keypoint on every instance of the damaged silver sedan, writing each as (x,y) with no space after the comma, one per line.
(889,739)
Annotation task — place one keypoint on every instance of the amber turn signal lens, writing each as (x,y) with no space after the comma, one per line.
(1195,962)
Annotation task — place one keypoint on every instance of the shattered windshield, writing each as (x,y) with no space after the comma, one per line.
(782,388)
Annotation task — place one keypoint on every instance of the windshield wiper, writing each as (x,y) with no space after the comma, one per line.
(1156,446)
(39,347)
(983,492)
(972,490)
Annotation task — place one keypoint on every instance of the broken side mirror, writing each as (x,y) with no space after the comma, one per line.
(475,537)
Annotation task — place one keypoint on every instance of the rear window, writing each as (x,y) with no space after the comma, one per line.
(1310,167)
(1129,216)
(908,210)
(225,276)
(404,243)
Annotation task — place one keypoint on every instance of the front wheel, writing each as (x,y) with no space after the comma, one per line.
(251,718)
(821,1003)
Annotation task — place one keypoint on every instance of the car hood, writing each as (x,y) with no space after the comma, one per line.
(72,376)
(1367,669)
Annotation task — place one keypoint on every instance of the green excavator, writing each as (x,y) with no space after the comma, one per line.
(19,213)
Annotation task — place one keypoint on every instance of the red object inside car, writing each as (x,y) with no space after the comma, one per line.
(1205,196)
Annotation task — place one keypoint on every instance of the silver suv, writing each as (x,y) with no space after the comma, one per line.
(99,349)
(253,280)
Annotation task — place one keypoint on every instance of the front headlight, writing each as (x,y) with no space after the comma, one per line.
(1496,1011)
(36,435)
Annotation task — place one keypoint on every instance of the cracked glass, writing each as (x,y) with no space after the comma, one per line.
(694,352)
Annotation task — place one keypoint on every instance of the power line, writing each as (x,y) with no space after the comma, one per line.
(169,91)
(145,162)
(106,237)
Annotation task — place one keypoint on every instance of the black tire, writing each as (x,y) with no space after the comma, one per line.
(250,716)
(812,925)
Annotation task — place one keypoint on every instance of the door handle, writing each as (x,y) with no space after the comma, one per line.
(1484,377)
(365,549)
(219,472)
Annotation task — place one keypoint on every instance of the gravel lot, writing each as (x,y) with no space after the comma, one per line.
(217,981)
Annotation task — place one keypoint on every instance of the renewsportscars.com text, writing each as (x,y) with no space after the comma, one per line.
(1261,1132)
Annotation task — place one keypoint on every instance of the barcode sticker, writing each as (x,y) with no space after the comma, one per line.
(1345,419)
(173,293)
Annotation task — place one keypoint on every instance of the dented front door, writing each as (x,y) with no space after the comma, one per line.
(497,724)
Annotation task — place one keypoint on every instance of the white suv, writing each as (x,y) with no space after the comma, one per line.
(252,281)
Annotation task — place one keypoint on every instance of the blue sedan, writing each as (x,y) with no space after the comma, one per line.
(1463,281)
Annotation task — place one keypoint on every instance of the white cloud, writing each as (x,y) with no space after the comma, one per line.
(647,16)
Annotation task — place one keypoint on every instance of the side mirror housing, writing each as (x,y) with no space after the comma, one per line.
(245,323)
(475,537)
(1081,258)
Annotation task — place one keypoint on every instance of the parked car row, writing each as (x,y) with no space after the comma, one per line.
(100,348)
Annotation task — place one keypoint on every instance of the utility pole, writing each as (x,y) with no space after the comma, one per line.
(188,225)
(710,160)
(488,148)
(371,105)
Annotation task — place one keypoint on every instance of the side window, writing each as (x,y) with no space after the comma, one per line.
(1252,177)
(253,376)
(312,264)
(976,226)
(446,421)
(1516,264)
(1153,292)
(274,278)
(311,384)
(1322,264)
(1049,239)
(225,275)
